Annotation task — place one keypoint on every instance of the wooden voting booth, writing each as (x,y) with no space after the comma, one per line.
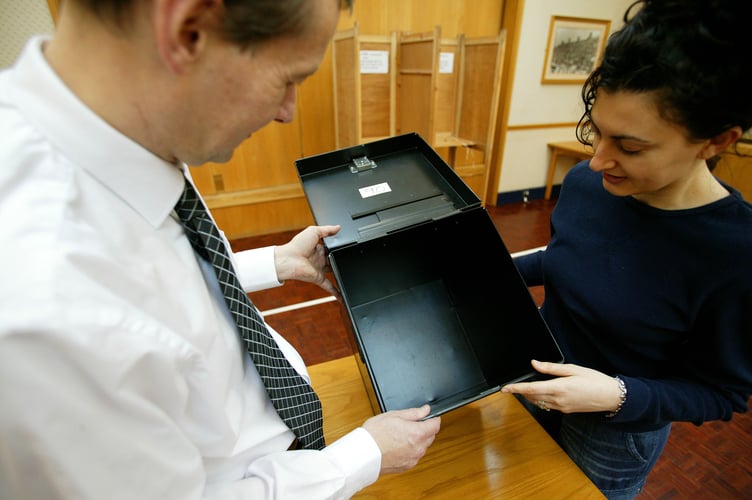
(446,90)
(364,87)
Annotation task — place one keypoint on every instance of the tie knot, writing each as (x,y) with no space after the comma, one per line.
(189,204)
(196,222)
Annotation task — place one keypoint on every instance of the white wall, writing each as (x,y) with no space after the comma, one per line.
(19,19)
(524,164)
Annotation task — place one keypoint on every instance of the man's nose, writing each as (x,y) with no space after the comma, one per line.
(287,110)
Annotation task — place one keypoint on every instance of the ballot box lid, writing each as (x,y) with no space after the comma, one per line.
(380,187)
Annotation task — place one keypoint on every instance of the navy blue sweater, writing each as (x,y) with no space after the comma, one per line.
(661,298)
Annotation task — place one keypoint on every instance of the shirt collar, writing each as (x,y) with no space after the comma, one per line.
(150,185)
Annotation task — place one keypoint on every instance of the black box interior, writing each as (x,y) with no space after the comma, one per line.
(438,310)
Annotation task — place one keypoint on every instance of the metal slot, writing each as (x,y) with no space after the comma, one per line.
(362,164)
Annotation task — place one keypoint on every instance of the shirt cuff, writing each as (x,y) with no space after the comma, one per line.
(359,458)
(256,269)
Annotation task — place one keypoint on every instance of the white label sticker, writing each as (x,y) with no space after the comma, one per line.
(446,62)
(376,189)
(374,61)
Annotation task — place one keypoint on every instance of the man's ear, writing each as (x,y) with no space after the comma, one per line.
(182,29)
(718,144)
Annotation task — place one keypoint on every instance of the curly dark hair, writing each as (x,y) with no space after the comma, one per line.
(691,55)
(245,22)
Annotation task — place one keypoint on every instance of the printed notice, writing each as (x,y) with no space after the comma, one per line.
(376,189)
(446,62)
(374,61)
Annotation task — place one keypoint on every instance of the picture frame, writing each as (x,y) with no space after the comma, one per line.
(574,48)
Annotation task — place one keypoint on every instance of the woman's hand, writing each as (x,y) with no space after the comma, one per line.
(574,390)
(303,257)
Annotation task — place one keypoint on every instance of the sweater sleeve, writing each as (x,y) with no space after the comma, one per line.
(530,267)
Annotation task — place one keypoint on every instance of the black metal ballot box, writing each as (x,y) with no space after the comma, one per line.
(438,310)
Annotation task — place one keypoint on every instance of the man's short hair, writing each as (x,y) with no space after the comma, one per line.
(245,22)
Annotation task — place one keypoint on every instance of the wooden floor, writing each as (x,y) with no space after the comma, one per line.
(712,461)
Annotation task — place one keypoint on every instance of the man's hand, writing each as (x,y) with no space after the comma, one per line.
(402,437)
(303,257)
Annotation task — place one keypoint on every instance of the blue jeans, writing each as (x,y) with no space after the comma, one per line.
(618,462)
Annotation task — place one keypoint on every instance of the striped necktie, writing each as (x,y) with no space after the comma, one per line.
(294,399)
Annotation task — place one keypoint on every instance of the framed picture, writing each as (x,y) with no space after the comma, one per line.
(575,46)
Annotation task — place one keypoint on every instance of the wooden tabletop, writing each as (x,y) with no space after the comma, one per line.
(491,448)
(575,148)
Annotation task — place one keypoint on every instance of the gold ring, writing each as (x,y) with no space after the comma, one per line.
(543,405)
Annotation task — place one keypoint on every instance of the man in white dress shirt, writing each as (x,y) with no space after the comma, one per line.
(121,371)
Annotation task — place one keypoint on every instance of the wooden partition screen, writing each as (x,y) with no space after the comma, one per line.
(417,87)
(447,82)
(478,94)
(446,90)
(364,98)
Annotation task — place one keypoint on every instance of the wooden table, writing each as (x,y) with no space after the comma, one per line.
(735,168)
(491,448)
(573,149)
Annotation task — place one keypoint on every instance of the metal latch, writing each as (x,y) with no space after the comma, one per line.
(362,164)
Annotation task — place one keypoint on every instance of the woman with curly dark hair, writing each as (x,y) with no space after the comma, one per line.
(648,283)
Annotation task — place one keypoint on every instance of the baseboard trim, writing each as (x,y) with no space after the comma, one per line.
(522,195)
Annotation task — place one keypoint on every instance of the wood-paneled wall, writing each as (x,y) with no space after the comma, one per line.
(53,5)
(257,191)
(471,17)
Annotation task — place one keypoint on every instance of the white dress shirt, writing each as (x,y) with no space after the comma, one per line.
(121,371)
